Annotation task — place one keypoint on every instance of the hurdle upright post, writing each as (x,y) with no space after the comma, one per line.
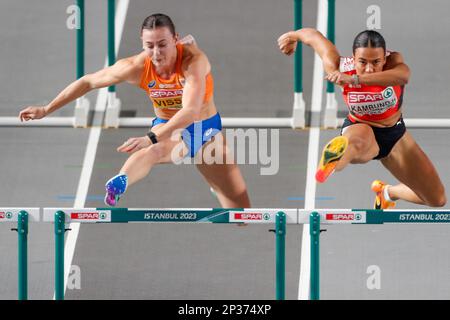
(114,104)
(314,230)
(331,33)
(330,117)
(82,103)
(111,38)
(59,229)
(22,231)
(298,113)
(80,40)
(280,255)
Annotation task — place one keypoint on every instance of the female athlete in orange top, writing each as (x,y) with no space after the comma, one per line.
(372,81)
(176,75)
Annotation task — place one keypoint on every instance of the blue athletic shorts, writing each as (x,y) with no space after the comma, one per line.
(198,133)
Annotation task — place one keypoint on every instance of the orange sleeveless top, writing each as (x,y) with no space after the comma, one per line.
(166,94)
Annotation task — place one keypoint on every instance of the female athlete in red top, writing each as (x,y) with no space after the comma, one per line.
(372,82)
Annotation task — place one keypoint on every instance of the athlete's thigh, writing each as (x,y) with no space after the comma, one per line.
(361,136)
(411,166)
(219,168)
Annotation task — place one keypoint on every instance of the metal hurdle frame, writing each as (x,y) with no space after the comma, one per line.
(112,114)
(62,216)
(281,217)
(297,121)
(21,216)
(81,113)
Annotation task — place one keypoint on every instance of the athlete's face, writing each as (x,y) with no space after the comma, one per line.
(160,45)
(369,60)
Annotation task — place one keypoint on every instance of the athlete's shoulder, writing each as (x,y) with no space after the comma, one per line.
(130,68)
(190,48)
(132,63)
(192,54)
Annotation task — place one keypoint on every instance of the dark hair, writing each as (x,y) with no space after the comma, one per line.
(369,39)
(158,20)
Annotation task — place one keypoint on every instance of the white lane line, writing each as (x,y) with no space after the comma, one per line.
(91,149)
(313,157)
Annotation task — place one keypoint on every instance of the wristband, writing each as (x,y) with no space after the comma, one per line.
(152,136)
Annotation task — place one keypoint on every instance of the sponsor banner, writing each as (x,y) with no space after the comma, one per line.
(90,216)
(262,215)
(83,215)
(337,217)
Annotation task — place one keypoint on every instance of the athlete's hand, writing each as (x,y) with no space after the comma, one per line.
(339,78)
(288,43)
(134,144)
(32,113)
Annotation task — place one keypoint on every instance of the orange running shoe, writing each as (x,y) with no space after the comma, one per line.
(331,154)
(380,201)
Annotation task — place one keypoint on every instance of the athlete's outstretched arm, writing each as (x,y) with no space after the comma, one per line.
(313,38)
(395,73)
(122,70)
(193,93)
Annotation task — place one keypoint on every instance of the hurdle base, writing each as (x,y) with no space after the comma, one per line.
(80,119)
(298,112)
(112,111)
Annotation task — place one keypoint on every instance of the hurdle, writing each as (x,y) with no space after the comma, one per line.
(112,117)
(360,216)
(280,217)
(62,216)
(21,216)
(81,112)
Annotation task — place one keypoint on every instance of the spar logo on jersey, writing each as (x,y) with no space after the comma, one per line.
(151,84)
(166,93)
(167,98)
(388,92)
(371,103)
(252,216)
(343,217)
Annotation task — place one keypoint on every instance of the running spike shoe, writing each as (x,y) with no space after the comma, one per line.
(115,187)
(380,201)
(331,154)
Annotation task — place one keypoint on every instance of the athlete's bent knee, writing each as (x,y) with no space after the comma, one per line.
(439,201)
(361,149)
(442,201)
